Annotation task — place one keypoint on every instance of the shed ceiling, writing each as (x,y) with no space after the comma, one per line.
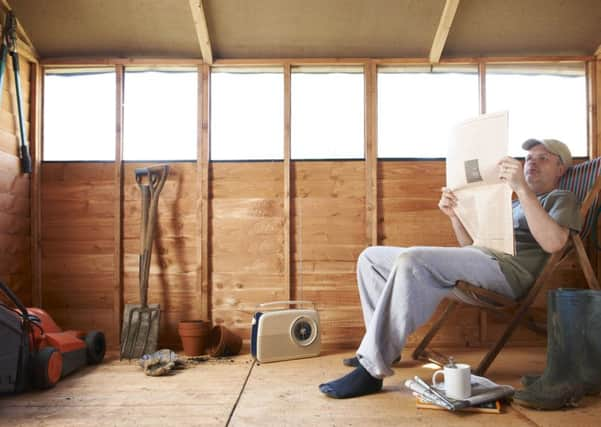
(309,28)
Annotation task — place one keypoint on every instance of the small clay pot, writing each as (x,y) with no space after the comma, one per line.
(224,342)
(194,335)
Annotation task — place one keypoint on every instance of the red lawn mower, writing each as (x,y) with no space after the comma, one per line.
(36,352)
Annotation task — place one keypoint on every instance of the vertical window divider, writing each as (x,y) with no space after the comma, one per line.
(592,117)
(288,291)
(202,173)
(482,314)
(118,204)
(593,95)
(371,156)
(482,86)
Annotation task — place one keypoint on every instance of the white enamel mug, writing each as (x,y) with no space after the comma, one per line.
(456,381)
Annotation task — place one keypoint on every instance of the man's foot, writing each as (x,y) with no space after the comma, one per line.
(354,384)
(353,362)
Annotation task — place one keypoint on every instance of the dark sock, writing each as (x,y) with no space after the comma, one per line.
(354,361)
(356,383)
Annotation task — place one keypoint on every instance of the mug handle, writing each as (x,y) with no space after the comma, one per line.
(434,383)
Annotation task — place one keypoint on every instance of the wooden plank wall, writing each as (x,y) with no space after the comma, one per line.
(78,245)
(15,235)
(328,236)
(246,243)
(246,246)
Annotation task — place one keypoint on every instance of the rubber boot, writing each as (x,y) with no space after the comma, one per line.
(573,352)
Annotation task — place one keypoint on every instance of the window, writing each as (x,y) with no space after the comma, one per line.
(543,100)
(247,114)
(327,118)
(160,114)
(79,115)
(419,106)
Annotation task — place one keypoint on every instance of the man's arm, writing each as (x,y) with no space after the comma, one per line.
(447,202)
(549,234)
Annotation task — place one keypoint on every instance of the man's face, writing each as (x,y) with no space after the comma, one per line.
(542,169)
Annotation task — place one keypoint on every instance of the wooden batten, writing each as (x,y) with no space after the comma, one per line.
(200,207)
(35,133)
(482,87)
(287,291)
(93,61)
(27,52)
(118,203)
(594,117)
(594,92)
(371,154)
(203,165)
(247,62)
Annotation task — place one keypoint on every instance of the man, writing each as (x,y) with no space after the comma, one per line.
(400,288)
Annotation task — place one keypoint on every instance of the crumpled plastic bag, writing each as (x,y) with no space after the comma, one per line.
(161,363)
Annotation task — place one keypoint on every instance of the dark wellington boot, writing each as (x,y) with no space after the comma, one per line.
(529,379)
(573,352)
(590,369)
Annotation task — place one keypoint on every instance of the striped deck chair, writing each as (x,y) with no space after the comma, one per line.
(583,180)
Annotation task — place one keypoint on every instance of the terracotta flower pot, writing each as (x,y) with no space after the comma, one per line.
(224,342)
(194,335)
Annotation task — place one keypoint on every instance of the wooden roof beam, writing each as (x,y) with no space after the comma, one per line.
(598,51)
(448,14)
(202,31)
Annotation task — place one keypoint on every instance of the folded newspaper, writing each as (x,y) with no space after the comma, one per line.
(483,390)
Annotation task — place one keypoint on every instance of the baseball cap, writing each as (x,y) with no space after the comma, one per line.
(553,146)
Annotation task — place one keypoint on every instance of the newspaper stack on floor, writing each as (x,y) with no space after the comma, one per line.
(483,391)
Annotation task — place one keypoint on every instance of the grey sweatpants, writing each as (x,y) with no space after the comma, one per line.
(400,289)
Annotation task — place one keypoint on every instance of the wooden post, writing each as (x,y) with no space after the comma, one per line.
(594,92)
(482,314)
(35,132)
(482,86)
(371,154)
(288,292)
(202,269)
(118,204)
(593,95)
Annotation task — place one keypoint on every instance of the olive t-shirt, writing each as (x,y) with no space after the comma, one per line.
(521,269)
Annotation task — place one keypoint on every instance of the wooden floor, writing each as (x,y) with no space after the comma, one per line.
(237,392)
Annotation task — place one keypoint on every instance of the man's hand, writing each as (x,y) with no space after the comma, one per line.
(512,172)
(447,202)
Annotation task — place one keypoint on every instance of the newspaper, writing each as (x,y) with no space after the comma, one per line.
(483,390)
(483,200)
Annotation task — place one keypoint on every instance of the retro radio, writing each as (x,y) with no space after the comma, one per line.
(283,333)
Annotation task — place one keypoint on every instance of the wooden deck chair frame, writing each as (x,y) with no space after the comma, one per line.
(516,310)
